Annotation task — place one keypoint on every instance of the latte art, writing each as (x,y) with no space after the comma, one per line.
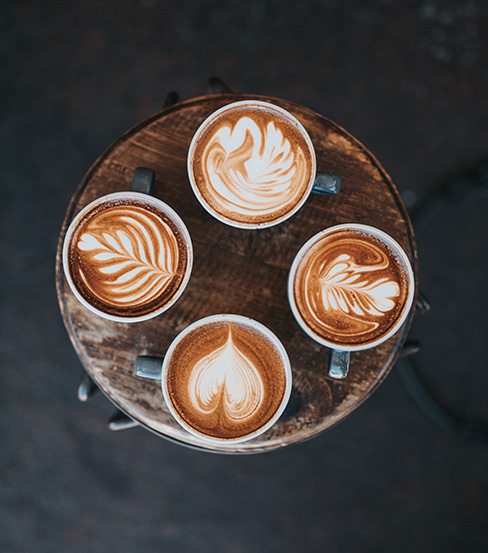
(348,287)
(134,263)
(127,256)
(226,378)
(252,170)
(251,164)
(350,290)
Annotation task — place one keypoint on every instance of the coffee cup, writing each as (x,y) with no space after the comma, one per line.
(127,256)
(350,288)
(252,165)
(225,378)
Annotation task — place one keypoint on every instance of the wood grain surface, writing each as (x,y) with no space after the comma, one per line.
(236,271)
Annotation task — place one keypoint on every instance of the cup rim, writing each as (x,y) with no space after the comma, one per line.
(397,250)
(196,191)
(246,321)
(147,198)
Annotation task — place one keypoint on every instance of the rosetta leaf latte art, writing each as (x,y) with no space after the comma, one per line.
(133,264)
(352,289)
(226,381)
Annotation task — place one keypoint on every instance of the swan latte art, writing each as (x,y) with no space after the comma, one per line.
(226,378)
(251,164)
(127,256)
(351,287)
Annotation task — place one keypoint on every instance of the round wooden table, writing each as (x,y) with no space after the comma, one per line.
(236,271)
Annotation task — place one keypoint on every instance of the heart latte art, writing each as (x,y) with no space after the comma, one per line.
(225,379)
(252,164)
(127,257)
(348,288)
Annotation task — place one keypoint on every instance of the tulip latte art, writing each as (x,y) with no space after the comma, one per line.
(252,164)
(226,379)
(128,257)
(349,288)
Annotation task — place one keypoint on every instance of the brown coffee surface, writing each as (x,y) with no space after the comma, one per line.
(225,379)
(252,165)
(127,257)
(350,288)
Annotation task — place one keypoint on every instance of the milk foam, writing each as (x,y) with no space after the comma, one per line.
(350,290)
(226,380)
(134,264)
(252,170)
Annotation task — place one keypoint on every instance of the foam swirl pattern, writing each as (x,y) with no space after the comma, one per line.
(127,259)
(225,379)
(350,289)
(255,167)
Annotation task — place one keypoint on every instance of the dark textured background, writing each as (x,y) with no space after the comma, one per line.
(407,78)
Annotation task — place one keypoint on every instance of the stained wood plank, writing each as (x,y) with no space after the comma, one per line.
(236,271)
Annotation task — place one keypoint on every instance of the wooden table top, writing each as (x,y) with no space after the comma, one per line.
(236,271)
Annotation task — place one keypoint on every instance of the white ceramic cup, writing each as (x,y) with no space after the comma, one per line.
(256,190)
(226,367)
(112,245)
(352,282)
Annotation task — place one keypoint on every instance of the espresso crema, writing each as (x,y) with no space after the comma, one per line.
(349,288)
(226,379)
(252,164)
(128,256)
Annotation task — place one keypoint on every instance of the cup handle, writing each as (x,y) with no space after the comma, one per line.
(147,366)
(143,180)
(326,184)
(339,363)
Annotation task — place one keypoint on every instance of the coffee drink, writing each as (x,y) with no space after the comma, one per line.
(251,164)
(351,287)
(226,378)
(127,256)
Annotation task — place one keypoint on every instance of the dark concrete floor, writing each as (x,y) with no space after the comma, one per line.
(407,78)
